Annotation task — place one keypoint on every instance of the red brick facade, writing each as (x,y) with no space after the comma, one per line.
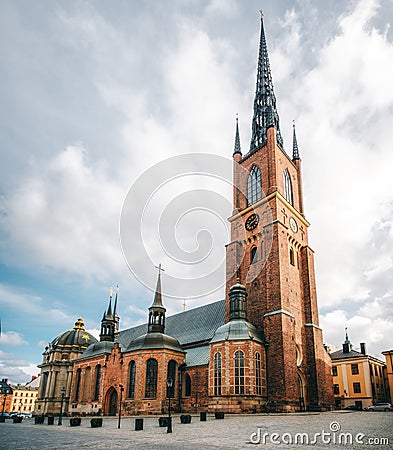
(281,281)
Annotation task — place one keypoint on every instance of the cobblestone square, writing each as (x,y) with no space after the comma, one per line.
(371,430)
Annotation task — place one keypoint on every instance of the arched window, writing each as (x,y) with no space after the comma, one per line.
(171,374)
(131,379)
(77,384)
(254,255)
(258,374)
(291,256)
(45,377)
(151,378)
(86,385)
(97,382)
(254,188)
(187,385)
(239,372)
(217,374)
(288,187)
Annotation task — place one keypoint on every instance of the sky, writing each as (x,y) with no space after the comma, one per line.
(117,123)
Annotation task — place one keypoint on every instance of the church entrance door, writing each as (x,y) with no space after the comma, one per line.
(112,402)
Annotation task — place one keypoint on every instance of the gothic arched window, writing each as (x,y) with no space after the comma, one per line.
(288,187)
(151,378)
(254,188)
(86,384)
(187,385)
(78,384)
(239,372)
(258,374)
(171,374)
(97,382)
(217,374)
(131,379)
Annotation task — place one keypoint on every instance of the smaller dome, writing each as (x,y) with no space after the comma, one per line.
(98,348)
(237,330)
(154,341)
(76,339)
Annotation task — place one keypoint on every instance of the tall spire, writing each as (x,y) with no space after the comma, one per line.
(237,148)
(295,148)
(265,110)
(157,310)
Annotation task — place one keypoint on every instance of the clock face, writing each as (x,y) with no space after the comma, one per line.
(252,221)
(293,224)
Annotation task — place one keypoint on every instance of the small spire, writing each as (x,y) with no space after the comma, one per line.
(347,341)
(109,312)
(158,295)
(237,138)
(265,110)
(157,311)
(295,153)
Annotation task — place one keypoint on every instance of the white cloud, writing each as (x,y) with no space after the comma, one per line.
(12,338)
(65,216)
(373,330)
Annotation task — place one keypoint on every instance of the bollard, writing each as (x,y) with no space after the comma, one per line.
(185,418)
(138,424)
(75,421)
(39,420)
(219,415)
(96,423)
(202,416)
(51,420)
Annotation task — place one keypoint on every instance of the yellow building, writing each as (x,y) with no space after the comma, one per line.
(389,371)
(358,378)
(23,399)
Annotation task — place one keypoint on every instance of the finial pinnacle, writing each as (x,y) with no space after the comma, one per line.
(110,292)
(261,12)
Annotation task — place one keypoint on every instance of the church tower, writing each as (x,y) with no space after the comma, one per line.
(269,252)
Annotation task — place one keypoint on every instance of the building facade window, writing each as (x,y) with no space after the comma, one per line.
(354,369)
(254,255)
(356,388)
(97,383)
(258,374)
(187,385)
(217,374)
(334,371)
(44,384)
(239,372)
(131,379)
(86,384)
(291,256)
(171,374)
(151,378)
(288,187)
(336,389)
(77,384)
(254,187)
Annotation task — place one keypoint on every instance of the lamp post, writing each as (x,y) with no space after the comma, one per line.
(121,401)
(169,383)
(63,391)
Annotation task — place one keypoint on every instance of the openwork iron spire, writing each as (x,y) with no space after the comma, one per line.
(265,110)
(237,148)
(295,148)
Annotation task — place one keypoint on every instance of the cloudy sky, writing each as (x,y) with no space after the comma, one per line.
(94,94)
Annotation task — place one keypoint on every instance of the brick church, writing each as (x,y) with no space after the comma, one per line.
(259,349)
